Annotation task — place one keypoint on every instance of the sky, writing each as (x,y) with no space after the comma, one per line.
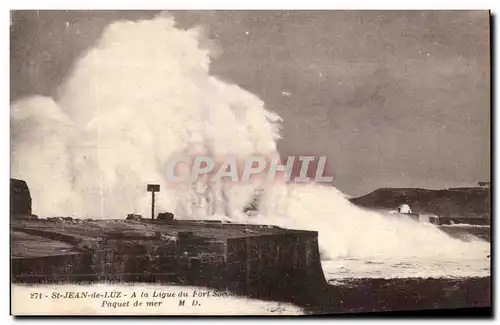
(391,98)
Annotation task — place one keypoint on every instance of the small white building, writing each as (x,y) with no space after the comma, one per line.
(404,208)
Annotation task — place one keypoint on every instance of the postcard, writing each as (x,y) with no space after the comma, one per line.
(252,162)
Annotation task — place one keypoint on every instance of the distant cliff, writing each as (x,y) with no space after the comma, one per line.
(460,205)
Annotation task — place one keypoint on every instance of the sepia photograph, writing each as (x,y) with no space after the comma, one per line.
(250,162)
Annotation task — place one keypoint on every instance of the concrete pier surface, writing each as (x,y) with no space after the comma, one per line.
(256,260)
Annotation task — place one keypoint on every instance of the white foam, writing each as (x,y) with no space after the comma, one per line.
(464,225)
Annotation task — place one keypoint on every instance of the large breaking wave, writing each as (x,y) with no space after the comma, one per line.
(143,94)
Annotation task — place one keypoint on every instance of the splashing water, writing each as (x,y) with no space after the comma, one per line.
(138,97)
(359,243)
(143,94)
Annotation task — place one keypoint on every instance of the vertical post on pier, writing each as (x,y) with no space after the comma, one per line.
(152,205)
(153,188)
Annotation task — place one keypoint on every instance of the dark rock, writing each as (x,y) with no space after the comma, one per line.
(135,217)
(165,216)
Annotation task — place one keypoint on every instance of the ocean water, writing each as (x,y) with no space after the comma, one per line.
(346,269)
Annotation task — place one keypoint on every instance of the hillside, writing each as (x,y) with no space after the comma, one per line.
(461,205)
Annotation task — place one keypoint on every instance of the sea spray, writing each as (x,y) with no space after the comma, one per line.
(136,98)
(143,94)
(347,231)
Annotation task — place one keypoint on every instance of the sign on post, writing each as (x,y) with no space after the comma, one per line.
(153,188)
